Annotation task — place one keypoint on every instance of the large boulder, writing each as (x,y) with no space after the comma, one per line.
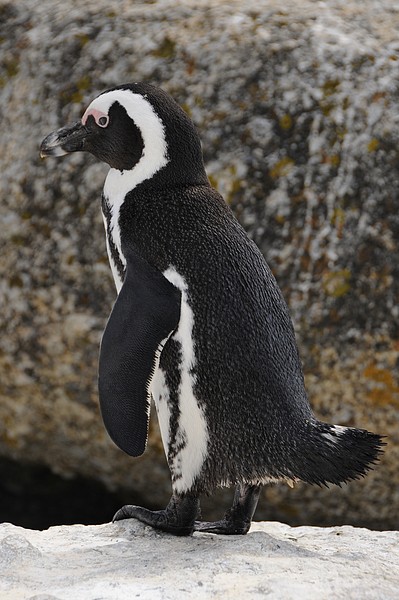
(298,114)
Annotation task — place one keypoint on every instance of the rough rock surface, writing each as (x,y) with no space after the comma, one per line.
(128,560)
(298,113)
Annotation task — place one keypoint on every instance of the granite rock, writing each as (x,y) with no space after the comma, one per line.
(297,110)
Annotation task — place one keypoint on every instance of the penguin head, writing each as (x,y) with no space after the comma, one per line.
(135,127)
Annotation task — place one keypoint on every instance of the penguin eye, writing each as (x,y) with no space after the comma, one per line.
(103,121)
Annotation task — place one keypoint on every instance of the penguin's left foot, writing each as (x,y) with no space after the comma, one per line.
(238,518)
(177,518)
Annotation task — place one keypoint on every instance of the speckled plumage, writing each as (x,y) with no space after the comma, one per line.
(248,374)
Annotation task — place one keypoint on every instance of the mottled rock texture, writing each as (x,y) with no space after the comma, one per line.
(297,106)
(129,560)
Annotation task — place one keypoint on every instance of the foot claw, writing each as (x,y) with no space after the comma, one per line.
(126,512)
(177,518)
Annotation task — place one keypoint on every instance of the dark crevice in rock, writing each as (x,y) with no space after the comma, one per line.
(32,496)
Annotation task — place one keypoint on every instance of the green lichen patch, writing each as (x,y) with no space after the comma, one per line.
(75,92)
(285,122)
(337,283)
(82,38)
(383,387)
(167,49)
(281,168)
(373,145)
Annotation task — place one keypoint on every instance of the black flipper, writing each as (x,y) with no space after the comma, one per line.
(146,311)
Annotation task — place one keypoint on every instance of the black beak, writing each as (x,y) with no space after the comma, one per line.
(65,140)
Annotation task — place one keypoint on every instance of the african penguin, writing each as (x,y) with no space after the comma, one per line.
(199,325)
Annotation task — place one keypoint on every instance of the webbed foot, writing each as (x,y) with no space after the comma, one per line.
(223,527)
(177,518)
(238,518)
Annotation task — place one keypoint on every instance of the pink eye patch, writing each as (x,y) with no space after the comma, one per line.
(102,119)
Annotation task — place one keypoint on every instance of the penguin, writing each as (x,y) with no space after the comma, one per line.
(199,325)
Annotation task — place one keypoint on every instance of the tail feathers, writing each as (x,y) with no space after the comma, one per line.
(335,454)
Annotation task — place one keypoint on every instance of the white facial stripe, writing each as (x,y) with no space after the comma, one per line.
(152,130)
(154,156)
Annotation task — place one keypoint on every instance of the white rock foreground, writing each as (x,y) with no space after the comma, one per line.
(129,560)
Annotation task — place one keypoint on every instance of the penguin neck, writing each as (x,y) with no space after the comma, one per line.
(119,183)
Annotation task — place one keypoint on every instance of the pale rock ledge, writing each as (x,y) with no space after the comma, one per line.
(129,560)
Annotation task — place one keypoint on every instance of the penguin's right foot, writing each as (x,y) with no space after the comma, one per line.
(238,518)
(177,518)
